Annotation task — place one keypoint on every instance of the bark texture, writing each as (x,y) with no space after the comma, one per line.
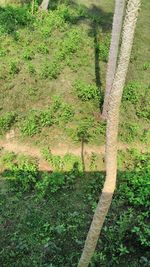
(113,52)
(44,5)
(112,133)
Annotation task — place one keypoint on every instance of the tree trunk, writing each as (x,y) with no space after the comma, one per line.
(113,52)
(112,133)
(44,5)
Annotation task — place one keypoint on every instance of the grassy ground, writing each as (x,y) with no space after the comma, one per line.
(52,80)
(59,55)
(40,227)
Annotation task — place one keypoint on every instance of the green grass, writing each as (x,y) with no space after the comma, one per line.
(45,55)
(39,226)
(52,81)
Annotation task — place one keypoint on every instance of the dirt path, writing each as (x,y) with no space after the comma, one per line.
(61,149)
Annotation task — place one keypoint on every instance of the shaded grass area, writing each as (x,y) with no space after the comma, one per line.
(46,54)
(40,227)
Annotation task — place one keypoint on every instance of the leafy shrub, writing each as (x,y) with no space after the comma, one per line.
(14,67)
(43,49)
(6,121)
(31,69)
(50,183)
(28,54)
(31,125)
(65,113)
(71,43)
(11,18)
(103,49)
(131,92)
(85,91)
(46,118)
(22,174)
(51,70)
(56,161)
(146,66)
(135,190)
(129,131)
(2,52)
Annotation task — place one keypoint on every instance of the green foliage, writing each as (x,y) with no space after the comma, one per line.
(46,118)
(57,113)
(43,49)
(14,67)
(146,66)
(103,49)
(129,131)
(131,92)
(31,125)
(86,91)
(31,69)
(42,215)
(6,121)
(28,54)
(50,70)
(69,162)
(50,183)
(11,18)
(22,174)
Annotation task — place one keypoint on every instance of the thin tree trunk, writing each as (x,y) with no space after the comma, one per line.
(44,5)
(113,52)
(112,133)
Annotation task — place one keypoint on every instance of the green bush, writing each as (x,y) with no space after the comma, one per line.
(23,174)
(11,18)
(6,121)
(129,131)
(146,66)
(46,118)
(43,49)
(31,69)
(131,92)
(103,49)
(31,125)
(65,113)
(14,67)
(28,54)
(50,183)
(86,91)
(51,70)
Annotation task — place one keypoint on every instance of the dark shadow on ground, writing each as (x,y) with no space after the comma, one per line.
(46,228)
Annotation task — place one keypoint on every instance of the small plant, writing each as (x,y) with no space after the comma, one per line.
(23,173)
(129,132)
(51,70)
(14,67)
(146,66)
(103,49)
(31,69)
(46,118)
(65,113)
(131,92)
(50,183)
(56,161)
(85,91)
(43,49)
(31,125)
(28,54)
(6,121)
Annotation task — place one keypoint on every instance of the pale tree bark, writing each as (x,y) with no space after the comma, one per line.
(113,52)
(112,133)
(44,5)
